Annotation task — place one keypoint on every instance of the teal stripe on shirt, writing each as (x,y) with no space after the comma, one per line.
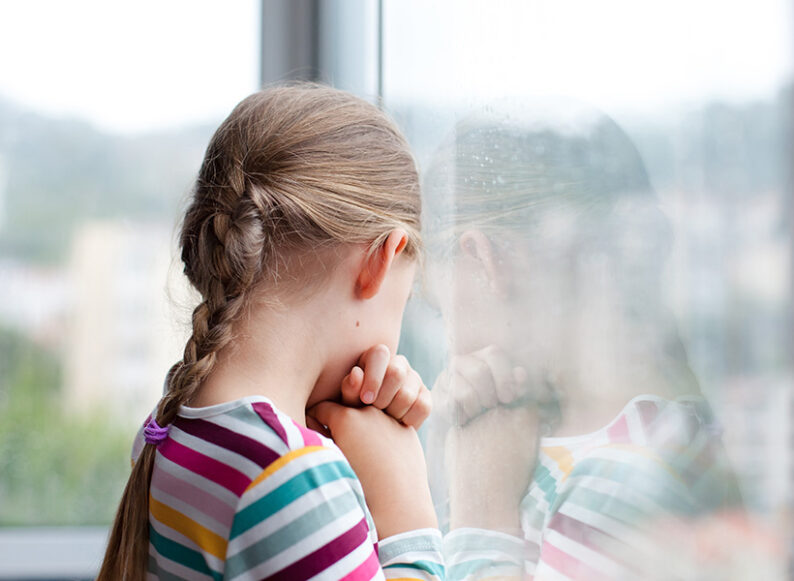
(181,554)
(651,481)
(288,492)
(290,534)
(427,566)
(162,574)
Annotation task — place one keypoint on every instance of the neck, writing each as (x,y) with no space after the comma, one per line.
(277,354)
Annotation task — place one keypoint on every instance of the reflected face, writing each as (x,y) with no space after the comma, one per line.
(500,290)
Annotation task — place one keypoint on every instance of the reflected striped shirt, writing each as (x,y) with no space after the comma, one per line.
(602,505)
(618,504)
(240,491)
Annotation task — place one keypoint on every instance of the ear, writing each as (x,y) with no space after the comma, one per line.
(375,268)
(476,245)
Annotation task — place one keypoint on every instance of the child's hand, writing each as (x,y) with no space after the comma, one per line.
(388,383)
(387,457)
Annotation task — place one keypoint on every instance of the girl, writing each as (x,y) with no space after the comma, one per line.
(302,239)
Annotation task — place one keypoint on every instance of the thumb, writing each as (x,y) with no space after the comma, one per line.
(328,413)
(351,387)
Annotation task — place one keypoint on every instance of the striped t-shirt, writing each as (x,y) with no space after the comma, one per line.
(621,502)
(241,491)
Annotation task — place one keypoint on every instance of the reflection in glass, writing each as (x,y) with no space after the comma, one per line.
(571,435)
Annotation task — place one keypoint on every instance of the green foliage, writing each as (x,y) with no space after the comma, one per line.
(54,469)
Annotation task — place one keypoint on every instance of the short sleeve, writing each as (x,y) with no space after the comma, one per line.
(472,553)
(302,518)
(414,555)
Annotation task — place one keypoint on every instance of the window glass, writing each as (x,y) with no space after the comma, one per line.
(105,109)
(608,307)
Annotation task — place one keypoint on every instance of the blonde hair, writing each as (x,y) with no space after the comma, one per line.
(294,169)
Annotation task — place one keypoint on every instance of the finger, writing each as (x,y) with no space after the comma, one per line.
(351,387)
(531,386)
(441,387)
(315,425)
(503,379)
(328,413)
(396,379)
(420,410)
(443,404)
(474,384)
(374,362)
(405,396)
(470,406)
(467,404)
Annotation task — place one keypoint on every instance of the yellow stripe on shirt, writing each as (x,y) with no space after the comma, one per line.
(562,456)
(209,542)
(283,461)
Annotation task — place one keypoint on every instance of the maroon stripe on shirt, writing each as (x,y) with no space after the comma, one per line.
(255,451)
(211,469)
(325,556)
(590,537)
(582,533)
(648,413)
(268,415)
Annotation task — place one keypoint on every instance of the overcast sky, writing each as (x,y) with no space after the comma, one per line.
(617,54)
(136,66)
(130,66)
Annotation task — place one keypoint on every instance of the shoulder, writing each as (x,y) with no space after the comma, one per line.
(659,462)
(658,456)
(234,444)
(303,514)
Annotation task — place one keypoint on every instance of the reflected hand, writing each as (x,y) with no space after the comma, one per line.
(482,380)
(490,448)
(489,464)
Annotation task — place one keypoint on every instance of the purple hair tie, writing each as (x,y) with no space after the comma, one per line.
(154,434)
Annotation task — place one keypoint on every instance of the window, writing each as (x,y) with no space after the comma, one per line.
(710,119)
(105,110)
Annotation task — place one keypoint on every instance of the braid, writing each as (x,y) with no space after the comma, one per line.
(222,261)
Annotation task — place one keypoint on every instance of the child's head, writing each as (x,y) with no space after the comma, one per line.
(292,180)
(294,174)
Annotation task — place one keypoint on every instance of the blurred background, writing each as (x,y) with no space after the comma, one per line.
(105,111)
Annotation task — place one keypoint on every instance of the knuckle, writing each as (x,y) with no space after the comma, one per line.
(490,350)
(401,362)
(404,398)
(398,373)
(480,367)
